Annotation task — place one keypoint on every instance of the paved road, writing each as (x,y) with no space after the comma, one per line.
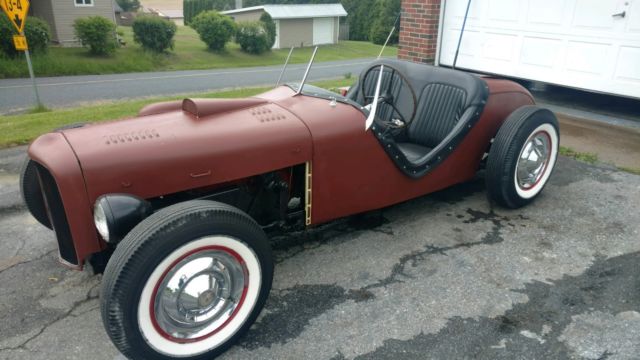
(16,94)
(442,277)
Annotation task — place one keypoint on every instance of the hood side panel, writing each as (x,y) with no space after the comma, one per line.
(171,152)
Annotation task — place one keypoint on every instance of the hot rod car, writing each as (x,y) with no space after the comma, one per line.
(180,199)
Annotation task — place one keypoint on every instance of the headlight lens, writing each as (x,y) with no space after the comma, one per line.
(116,214)
(100,219)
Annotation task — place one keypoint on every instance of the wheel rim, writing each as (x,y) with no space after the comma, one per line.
(214,333)
(533,160)
(199,294)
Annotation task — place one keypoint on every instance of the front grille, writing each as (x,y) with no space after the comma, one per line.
(57,216)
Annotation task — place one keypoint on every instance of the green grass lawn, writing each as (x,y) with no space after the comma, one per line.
(189,54)
(21,129)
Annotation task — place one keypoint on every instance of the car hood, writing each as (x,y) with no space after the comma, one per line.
(176,146)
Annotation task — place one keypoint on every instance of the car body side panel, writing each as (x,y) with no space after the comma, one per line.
(175,151)
(54,153)
(352,173)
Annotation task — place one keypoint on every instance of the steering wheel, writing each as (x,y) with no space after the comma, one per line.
(386,96)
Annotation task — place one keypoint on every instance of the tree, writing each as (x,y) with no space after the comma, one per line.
(129,5)
(386,13)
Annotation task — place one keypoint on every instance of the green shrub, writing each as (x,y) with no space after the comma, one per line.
(129,5)
(36,30)
(270,26)
(97,33)
(154,33)
(214,29)
(252,37)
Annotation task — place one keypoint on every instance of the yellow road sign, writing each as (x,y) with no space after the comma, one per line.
(16,10)
(20,42)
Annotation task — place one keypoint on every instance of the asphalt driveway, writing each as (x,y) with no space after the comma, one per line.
(444,277)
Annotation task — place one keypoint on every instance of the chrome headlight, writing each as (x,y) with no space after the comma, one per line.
(116,214)
(100,219)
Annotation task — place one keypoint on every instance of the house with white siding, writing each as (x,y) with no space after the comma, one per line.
(60,14)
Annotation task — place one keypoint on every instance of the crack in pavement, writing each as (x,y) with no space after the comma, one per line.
(289,311)
(491,238)
(29,261)
(76,304)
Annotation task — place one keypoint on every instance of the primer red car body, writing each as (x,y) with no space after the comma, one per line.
(176,146)
(185,194)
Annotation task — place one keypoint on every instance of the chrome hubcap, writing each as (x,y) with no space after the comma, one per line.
(533,160)
(199,294)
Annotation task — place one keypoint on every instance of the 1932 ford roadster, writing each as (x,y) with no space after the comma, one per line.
(185,193)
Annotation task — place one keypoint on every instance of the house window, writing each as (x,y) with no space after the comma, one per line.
(84,2)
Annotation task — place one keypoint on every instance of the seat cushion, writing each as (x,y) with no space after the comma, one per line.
(413,152)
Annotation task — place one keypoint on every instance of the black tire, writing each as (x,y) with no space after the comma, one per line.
(519,127)
(31,192)
(160,238)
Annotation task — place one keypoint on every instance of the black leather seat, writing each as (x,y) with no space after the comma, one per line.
(449,102)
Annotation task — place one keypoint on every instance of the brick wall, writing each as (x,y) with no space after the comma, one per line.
(419,30)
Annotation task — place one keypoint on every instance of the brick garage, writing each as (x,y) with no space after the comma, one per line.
(419,30)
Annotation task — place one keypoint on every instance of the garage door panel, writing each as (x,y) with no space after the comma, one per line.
(594,14)
(633,23)
(541,52)
(574,43)
(322,31)
(456,11)
(586,57)
(628,68)
(546,12)
(499,47)
(470,47)
(504,10)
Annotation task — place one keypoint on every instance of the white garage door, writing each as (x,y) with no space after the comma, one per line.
(322,31)
(588,44)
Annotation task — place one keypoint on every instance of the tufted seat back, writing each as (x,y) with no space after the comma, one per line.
(440,107)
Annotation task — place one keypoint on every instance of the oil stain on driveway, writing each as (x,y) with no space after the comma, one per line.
(443,276)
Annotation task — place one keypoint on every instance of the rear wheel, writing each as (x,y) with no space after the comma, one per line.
(186,282)
(522,156)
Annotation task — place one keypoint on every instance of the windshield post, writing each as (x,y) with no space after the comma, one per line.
(306,73)
(374,104)
(286,62)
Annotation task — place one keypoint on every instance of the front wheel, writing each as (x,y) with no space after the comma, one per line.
(186,283)
(522,156)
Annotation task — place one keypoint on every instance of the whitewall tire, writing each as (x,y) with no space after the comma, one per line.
(186,283)
(522,156)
